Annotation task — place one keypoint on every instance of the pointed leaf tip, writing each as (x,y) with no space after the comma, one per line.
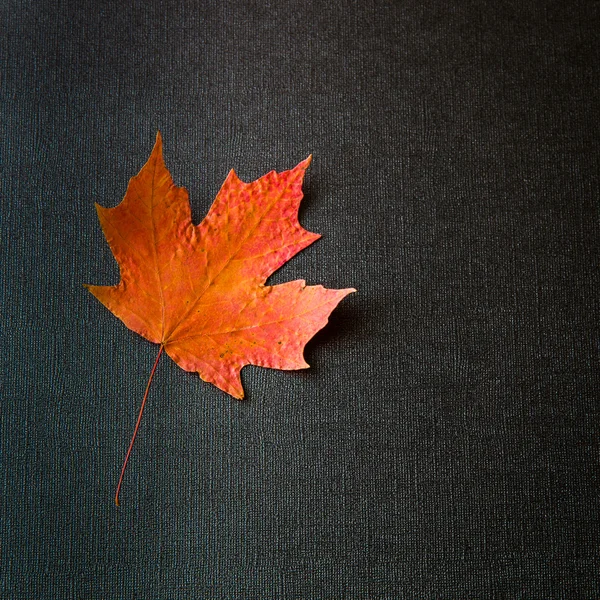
(158,144)
(304,164)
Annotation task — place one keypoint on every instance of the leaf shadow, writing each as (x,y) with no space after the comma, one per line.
(343,321)
(348,325)
(306,202)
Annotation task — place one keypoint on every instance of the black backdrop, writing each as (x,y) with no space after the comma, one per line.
(444,443)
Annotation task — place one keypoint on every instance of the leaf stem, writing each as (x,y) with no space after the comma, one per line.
(137,426)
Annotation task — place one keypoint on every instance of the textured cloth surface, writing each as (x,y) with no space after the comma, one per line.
(444,443)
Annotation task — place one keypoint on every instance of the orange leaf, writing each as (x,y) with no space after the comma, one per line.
(198,290)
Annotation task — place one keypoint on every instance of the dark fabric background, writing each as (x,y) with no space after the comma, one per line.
(444,443)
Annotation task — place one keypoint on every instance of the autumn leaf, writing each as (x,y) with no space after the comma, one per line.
(199,290)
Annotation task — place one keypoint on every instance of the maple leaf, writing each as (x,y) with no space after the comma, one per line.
(199,291)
